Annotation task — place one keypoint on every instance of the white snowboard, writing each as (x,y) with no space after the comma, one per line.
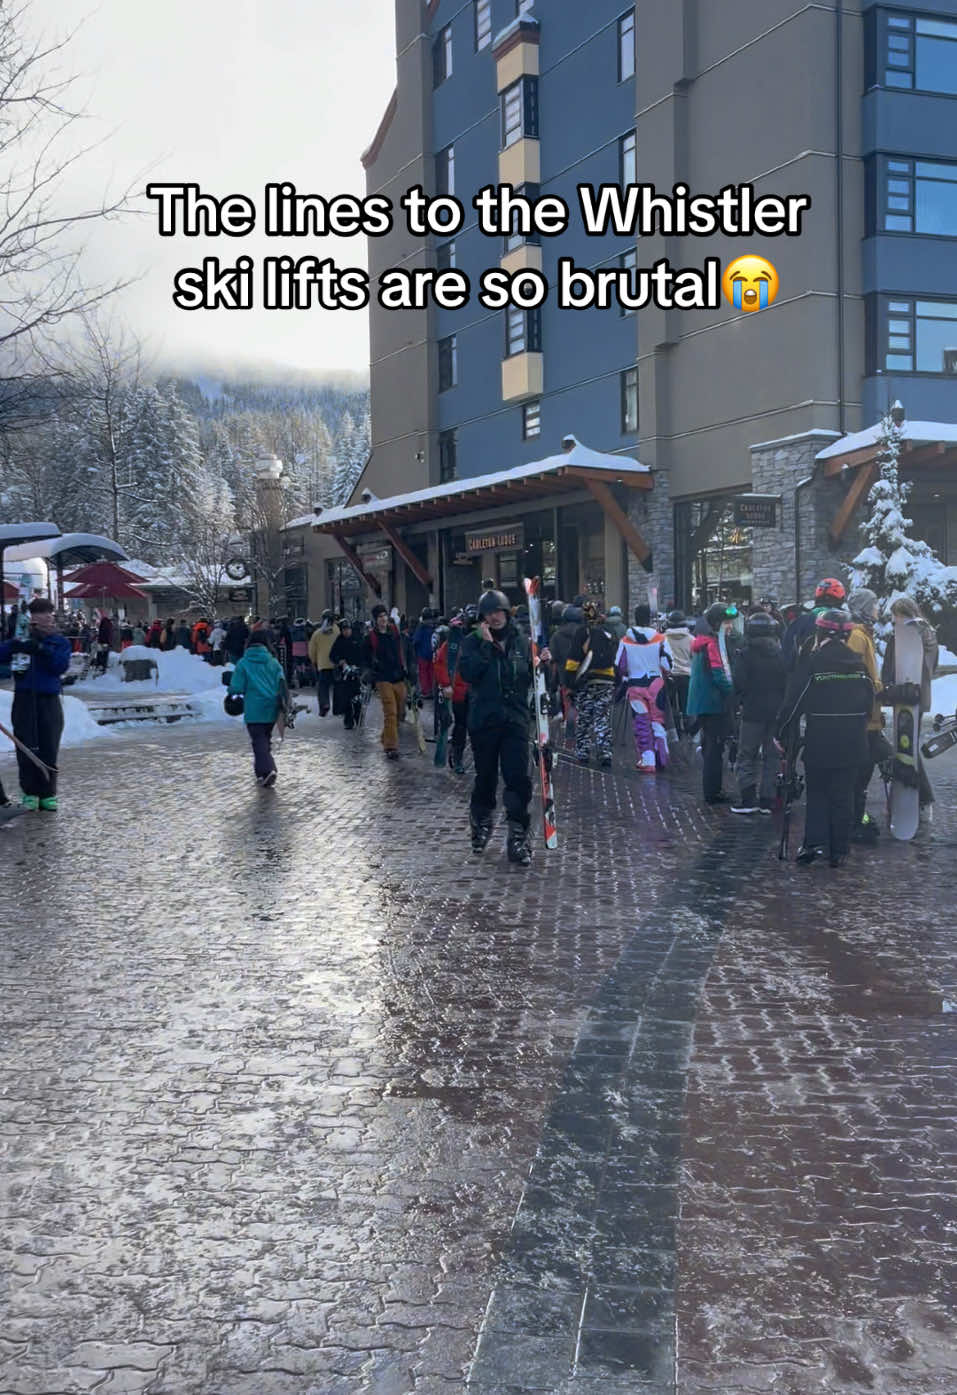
(908,666)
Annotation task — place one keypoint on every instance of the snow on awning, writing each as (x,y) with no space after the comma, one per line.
(13,533)
(69,548)
(568,472)
(860,448)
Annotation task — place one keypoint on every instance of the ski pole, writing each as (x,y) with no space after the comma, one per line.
(48,770)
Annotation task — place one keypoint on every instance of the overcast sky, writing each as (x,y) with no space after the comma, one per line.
(229,94)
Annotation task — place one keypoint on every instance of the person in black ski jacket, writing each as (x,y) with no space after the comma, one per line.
(496,663)
(760,678)
(831,687)
(799,636)
(384,657)
(346,654)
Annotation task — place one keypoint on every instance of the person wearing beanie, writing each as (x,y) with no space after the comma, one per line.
(863,606)
(679,638)
(260,680)
(709,699)
(384,658)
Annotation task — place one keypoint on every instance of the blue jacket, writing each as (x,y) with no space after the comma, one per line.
(260,679)
(51,659)
(422,640)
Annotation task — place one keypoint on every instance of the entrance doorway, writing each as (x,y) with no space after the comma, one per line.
(713,554)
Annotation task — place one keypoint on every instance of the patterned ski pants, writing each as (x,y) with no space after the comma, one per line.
(593,703)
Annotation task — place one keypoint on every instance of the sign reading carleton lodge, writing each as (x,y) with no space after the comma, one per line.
(506,538)
(756,510)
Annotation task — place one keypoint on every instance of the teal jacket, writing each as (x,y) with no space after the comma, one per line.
(260,679)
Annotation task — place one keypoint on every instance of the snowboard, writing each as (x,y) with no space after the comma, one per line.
(905,788)
(543,740)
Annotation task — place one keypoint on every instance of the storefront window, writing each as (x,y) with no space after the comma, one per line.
(712,554)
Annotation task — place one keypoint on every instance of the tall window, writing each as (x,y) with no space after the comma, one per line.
(532,419)
(626,46)
(442,56)
(918,336)
(523,331)
(483,23)
(918,196)
(517,238)
(445,256)
(519,104)
(628,159)
(628,261)
(447,456)
(445,171)
(919,53)
(448,363)
(629,401)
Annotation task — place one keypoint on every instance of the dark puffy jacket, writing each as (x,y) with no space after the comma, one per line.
(499,676)
(383,654)
(560,644)
(798,633)
(51,658)
(760,679)
(422,640)
(831,687)
(345,650)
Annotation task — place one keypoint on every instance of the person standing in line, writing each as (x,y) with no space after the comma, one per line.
(259,679)
(590,671)
(906,611)
(709,698)
(37,710)
(643,662)
(384,659)
(760,677)
(422,648)
(346,655)
(320,650)
(863,606)
(454,687)
(678,635)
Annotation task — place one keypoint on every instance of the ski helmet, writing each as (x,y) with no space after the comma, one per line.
(676,618)
(470,613)
(614,613)
(490,602)
(760,625)
(557,610)
(719,612)
(830,589)
(835,622)
(234,704)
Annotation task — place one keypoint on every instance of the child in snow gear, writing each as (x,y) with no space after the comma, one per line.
(496,663)
(37,710)
(831,688)
(259,679)
(643,662)
(383,657)
(346,654)
(320,656)
(760,678)
(590,672)
(709,698)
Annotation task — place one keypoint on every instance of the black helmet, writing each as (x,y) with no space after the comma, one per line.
(573,614)
(470,613)
(719,612)
(490,601)
(760,625)
(557,609)
(676,617)
(234,704)
(834,622)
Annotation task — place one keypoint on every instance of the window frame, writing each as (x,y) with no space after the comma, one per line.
(629,139)
(523,95)
(448,363)
(627,386)
(530,339)
(513,240)
(898,170)
(627,22)
(482,24)
(899,33)
(898,318)
(445,255)
(445,161)
(448,449)
(528,408)
(442,56)
(628,261)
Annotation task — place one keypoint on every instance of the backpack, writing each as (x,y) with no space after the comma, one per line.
(603,647)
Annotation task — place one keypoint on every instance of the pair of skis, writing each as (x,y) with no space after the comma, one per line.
(544,756)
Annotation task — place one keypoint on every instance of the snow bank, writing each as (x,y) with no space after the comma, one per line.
(179,672)
(79,727)
(945,695)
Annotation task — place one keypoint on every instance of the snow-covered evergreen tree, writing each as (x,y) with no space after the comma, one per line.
(893,563)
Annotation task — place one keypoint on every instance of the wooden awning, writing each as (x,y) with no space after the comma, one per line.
(863,461)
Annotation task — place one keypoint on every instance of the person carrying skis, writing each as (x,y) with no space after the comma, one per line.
(37,710)
(863,606)
(320,650)
(346,654)
(259,679)
(831,688)
(422,648)
(643,662)
(496,662)
(760,676)
(709,698)
(382,656)
(454,688)
(829,594)
(590,672)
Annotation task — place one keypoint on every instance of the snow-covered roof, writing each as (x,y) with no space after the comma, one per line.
(921,432)
(85,547)
(579,457)
(14,533)
(179,581)
(303,521)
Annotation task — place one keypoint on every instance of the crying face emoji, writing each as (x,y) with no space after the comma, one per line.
(750,283)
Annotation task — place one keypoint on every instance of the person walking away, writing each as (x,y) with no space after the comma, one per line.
(905,610)
(300,649)
(182,636)
(863,606)
(560,645)
(832,690)
(496,663)
(709,699)
(346,655)
(37,710)
(422,648)
(760,678)
(320,649)
(643,662)
(383,657)
(104,642)
(259,678)
(139,634)
(679,637)
(449,679)
(590,671)
(200,638)
(237,632)
(217,642)
(829,594)
(615,622)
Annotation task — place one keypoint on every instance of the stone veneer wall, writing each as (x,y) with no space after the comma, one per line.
(653,516)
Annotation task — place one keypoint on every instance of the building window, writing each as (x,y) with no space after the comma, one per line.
(520,111)
(626,46)
(442,56)
(532,420)
(445,256)
(918,336)
(523,331)
(628,261)
(447,456)
(919,53)
(919,196)
(517,238)
(448,363)
(483,23)
(629,401)
(628,159)
(445,171)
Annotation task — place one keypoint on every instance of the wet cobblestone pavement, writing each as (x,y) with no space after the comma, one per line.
(297,1096)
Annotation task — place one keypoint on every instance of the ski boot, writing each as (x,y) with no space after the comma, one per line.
(517,846)
(30,802)
(481,832)
(48,802)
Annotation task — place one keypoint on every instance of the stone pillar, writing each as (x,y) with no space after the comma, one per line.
(267,539)
(652,514)
(777,467)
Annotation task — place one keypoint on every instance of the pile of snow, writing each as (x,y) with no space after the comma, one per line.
(179,672)
(945,695)
(79,727)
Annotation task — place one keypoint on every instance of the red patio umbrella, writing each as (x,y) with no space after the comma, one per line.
(101,573)
(10,593)
(116,590)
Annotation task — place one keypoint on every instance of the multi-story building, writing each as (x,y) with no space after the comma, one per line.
(853,104)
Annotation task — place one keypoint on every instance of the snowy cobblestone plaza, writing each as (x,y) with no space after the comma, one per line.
(299,1097)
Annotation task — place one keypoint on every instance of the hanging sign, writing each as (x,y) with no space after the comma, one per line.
(756,510)
(505,538)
